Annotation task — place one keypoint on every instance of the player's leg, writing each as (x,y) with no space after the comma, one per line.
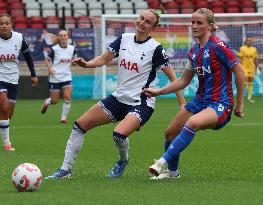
(8,93)
(4,120)
(67,93)
(215,116)
(94,117)
(205,119)
(173,129)
(137,116)
(12,105)
(54,90)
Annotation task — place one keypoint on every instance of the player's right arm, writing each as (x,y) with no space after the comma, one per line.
(112,52)
(48,62)
(178,84)
(95,62)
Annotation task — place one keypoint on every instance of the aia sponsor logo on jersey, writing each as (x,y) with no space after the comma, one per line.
(7,57)
(128,65)
(65,60)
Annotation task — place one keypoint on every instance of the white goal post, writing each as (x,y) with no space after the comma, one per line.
(174,33)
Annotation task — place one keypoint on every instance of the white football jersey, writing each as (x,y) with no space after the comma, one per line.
(61,62)
(9,51)
(138,63)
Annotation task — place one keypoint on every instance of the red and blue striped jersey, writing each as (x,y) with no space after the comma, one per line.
(212,63)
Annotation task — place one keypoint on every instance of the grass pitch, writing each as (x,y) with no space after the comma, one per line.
(219,167)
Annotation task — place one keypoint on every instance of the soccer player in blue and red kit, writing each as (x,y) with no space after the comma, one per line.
(213,62)
(139,58)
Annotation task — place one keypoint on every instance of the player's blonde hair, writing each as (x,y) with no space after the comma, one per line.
(55,38)
(156,15)
(209,15)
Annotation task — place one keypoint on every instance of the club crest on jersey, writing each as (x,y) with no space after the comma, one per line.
(128,65)
(143,54)
(7,57)
(202,70)
(206,54)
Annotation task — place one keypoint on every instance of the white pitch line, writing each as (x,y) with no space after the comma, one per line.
(68,126)
(40,127)
(247,124)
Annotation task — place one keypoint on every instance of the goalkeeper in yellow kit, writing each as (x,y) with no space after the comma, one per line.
(249,60)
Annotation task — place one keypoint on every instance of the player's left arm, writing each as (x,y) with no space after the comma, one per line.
(29,61)
(240,85)
(161,61)
(169,72)
(74,56)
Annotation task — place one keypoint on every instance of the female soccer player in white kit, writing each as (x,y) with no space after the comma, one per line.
(11,44)
(60,77)
(139,57)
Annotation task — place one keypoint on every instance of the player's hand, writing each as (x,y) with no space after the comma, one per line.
(80,61)
(239,111)
(51,71)
(151,92)
(182,106)
(34,81)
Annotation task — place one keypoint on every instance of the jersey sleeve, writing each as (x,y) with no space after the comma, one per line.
(24,47)
(160,59)
(75,55)
(114,47)
(188,65)
(29,61)
(51,55)
(226,55)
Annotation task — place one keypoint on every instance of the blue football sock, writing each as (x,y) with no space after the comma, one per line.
(173,165)
(179,144)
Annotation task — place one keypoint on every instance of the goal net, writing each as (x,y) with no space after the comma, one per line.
(175,34)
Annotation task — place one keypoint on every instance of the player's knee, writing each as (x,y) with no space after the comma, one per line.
(193,124)
(4,112)
(118,136)
(78,126)
(168,135)
(171,133)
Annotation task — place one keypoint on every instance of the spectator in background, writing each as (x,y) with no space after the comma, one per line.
(249,60)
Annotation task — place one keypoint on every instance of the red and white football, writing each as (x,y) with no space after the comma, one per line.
(27,177)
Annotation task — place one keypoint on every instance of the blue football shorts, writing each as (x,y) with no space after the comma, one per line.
(223,112)
(59,86)
(11,89)
(117,110)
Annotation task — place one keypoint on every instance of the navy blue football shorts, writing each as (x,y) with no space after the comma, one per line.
(59,86)
(223,112)
(117,110)
(11,89)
